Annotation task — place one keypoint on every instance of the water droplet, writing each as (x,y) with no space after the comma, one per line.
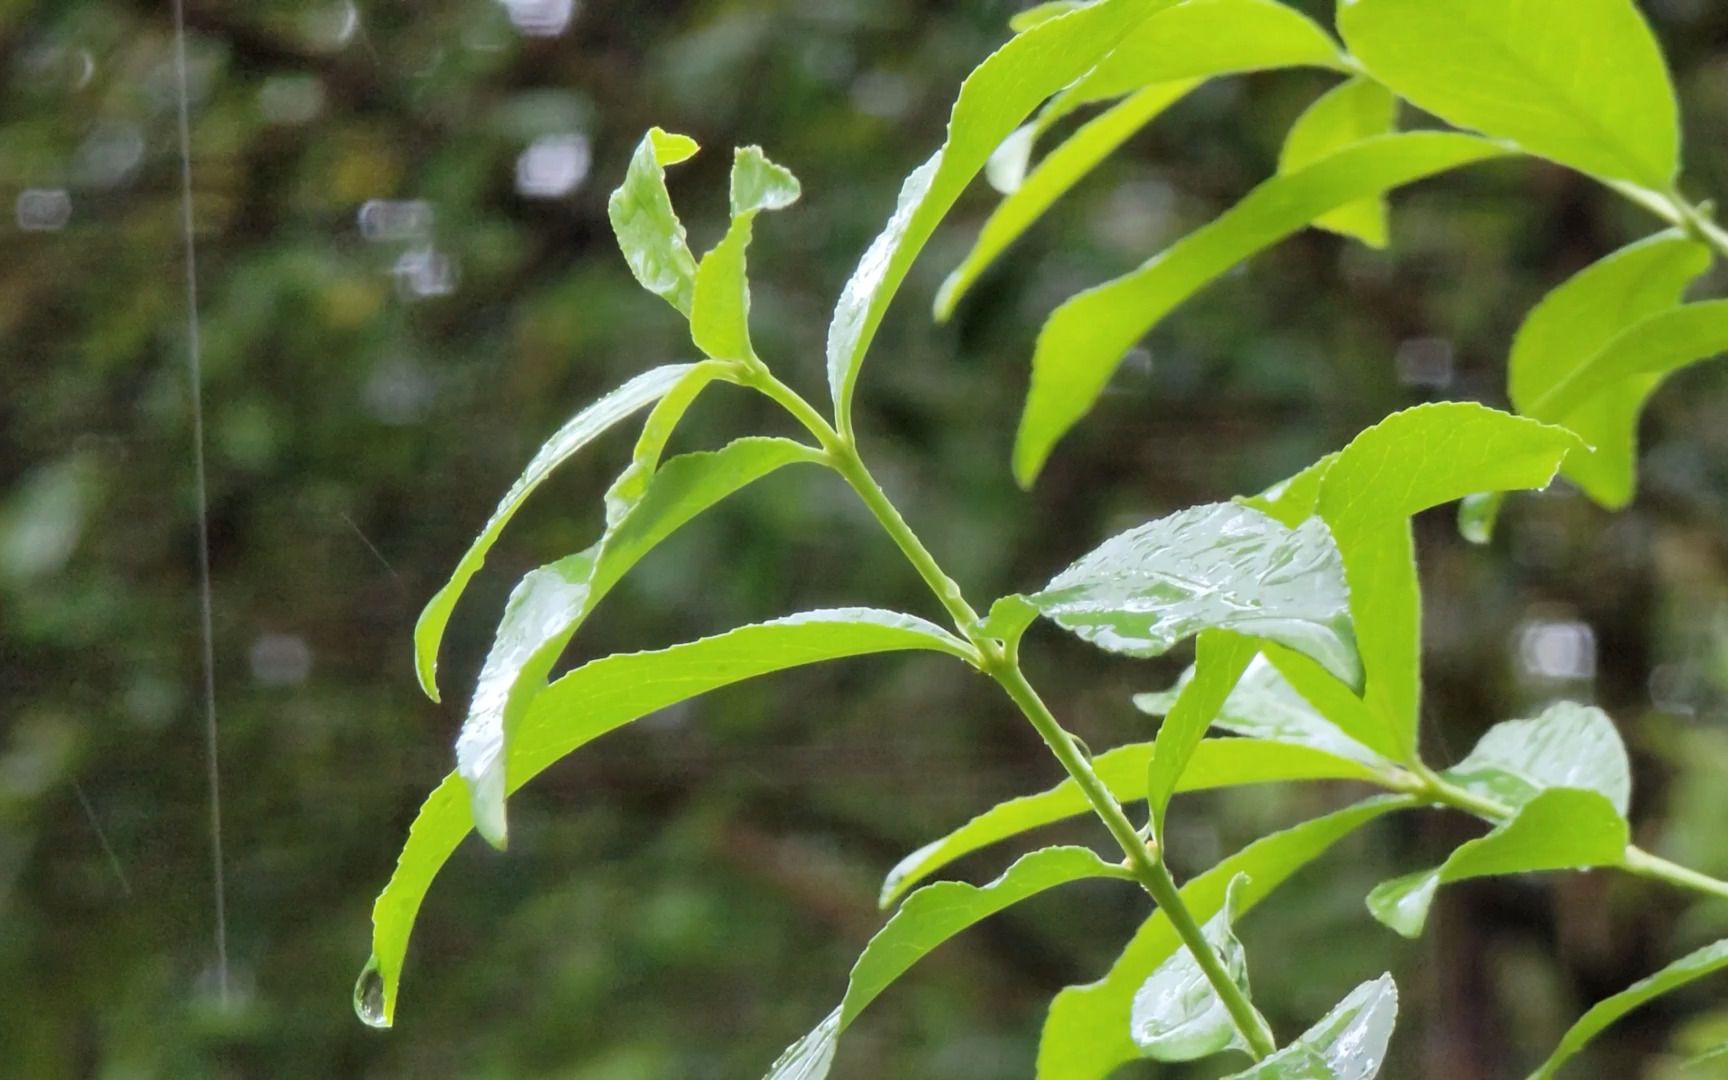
(1477,515)
(541,18)
(553,165)
(369,996)
(387,220)
(425,272)
(1562,649)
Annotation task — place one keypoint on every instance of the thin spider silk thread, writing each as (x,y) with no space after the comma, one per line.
(195,376)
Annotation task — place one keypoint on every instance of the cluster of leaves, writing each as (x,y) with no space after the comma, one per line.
(1303,600)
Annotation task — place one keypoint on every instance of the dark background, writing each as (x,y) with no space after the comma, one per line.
(685,897)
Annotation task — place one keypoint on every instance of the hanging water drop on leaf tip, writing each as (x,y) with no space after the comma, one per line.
(369,997)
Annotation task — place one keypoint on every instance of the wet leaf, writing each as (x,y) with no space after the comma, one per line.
(1082,343)
(604,695)
(1349,1043)
(1689,968)
(1086,1035)
(1581,82)
(1177,1015)
(1559,829)
(928,918)
(1568,746)
(581,429)
(648,230)
(1216,763)
(1220,566)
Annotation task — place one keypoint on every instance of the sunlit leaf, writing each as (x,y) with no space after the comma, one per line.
(1219,660)
(1437,453)
(1041,13)
(1216,763)
(1008,618)
(1220,566)
(1559,829)
(648,230)
(1177,1015)
(1350,112)
(1086,338)
(604,695)
(720,311)
(1580,81)
(1086,1035)
(1349,1043)
(1293,500)
(582,429)
(1689,968)
(553,601)
(999,94)
(1266,707)
(1577,321)
(1568,746)
(928,918)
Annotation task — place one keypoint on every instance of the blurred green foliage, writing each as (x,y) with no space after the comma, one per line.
(408,282)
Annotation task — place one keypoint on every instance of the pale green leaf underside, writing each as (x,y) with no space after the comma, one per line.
(1568,746)
(649,233)
(1354,110)
(582,429)
(1266,707)
(929,917)
(1176,1015)
(1082,343)
(1581,82)
(1412,461)
(999,94)
(550,603)
(1216,763)
(1574,323)
(606,694)
(1349,1043)
(1086,1034)
(1219,660)
(1689,968)
(1219,566)
(1559,829)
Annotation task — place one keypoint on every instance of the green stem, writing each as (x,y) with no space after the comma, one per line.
(1003,666)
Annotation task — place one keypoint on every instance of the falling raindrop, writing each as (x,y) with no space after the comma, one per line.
(396,220)
(1561,649)
(553,165)
(369,996)
(280,660)
(425,272)
(43,209)
(541,18)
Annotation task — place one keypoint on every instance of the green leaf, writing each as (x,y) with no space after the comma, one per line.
(1029,196)
(1294,500)
(1581,82)
(1568,746)
(999,94)
(1220,566)
(1349,1043)
(928,918)
(1352,111)
(1335,701)
(1086,338)
(1689,968)
(1216,763)
(1219,660)
(604,695)
(647,226)
(1176,1015)
(1157,65)
(1559,829)
(1043,13)
(553,601)
(1573,324)
(657,431)
(1086,1035)
(1437,453)
(1008,619)
(582,429)
(720,312)
(1265,706)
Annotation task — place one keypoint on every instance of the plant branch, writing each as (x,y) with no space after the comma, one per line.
(1142,861)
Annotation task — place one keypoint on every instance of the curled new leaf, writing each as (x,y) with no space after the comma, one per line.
(1177,1015)
(649,232)
(1581,82)
(1349,1043)
(1220,566)
(1082,343)
(1559,829)
(1216,763)
(604,695)
(1689,968)
(928,918)
(582,429)
(720,310)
